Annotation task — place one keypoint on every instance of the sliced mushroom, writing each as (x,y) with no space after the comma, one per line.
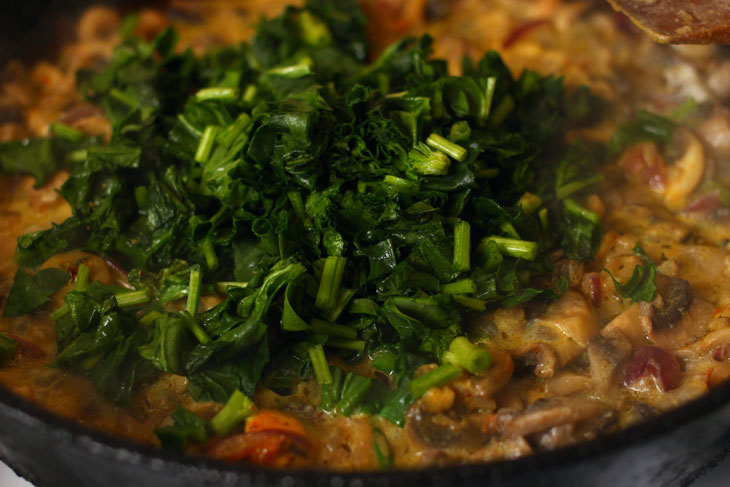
(685,174)
(544,414)
(442,430)
(634,324)
(677,298)
(568,434)
(538,358)
(606,355)
(566,327)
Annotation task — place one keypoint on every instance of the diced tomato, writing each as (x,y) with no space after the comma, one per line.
(266,448)
(271,420)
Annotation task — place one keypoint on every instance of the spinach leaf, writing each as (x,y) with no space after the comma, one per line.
(641,286)
(31,291)
(187,428)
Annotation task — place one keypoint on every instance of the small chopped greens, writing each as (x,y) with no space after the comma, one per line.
(31,291)
(8,346)
(467,355)
(342,210)
(188,428)
(237,409)
(641,286)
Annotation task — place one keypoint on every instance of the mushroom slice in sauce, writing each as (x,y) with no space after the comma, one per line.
(544,414)
(606,354)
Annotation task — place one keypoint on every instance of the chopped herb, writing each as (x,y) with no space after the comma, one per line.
(641,286)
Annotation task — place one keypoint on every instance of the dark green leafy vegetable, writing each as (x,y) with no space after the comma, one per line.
(236,410)
(641,286)
(31,291)
(188,428)
(8,346)
(338,207)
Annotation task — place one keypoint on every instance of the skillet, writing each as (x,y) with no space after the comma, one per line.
(672,449)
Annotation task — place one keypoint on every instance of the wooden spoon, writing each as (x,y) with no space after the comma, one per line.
(680,21)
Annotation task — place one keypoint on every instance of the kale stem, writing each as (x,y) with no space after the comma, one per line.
(82,278)
(465,354)
(489,96)
(502,111)
(355,345)
(315,32)
(211,259)
(150,317)
(331,392)
(576,209)
(566,190)
(460,131)
(249,94)
(319,363)
(297,204)
(471,303)
(462,246)
(194,290)
(189,127)
(435,378)
(446,146)
(79,155)
(510,230)
(60,312)
(342,301)
(529,203)
(522,249)
(333,329)
(237,408)
(122,97)
(66,132)
(353,392)
(222,286)
(132,298)
(465,286)
(206,144)
(217,93)
(329,285)
(195,327)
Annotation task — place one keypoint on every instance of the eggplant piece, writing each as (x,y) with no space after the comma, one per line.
(677,297)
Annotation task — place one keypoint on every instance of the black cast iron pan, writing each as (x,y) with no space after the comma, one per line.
(672,449)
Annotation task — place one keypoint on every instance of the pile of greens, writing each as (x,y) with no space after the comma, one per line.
(340,208)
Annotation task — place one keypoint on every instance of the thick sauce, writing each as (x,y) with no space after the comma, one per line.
(589,363)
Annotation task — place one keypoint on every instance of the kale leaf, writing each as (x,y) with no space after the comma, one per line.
(31,291)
